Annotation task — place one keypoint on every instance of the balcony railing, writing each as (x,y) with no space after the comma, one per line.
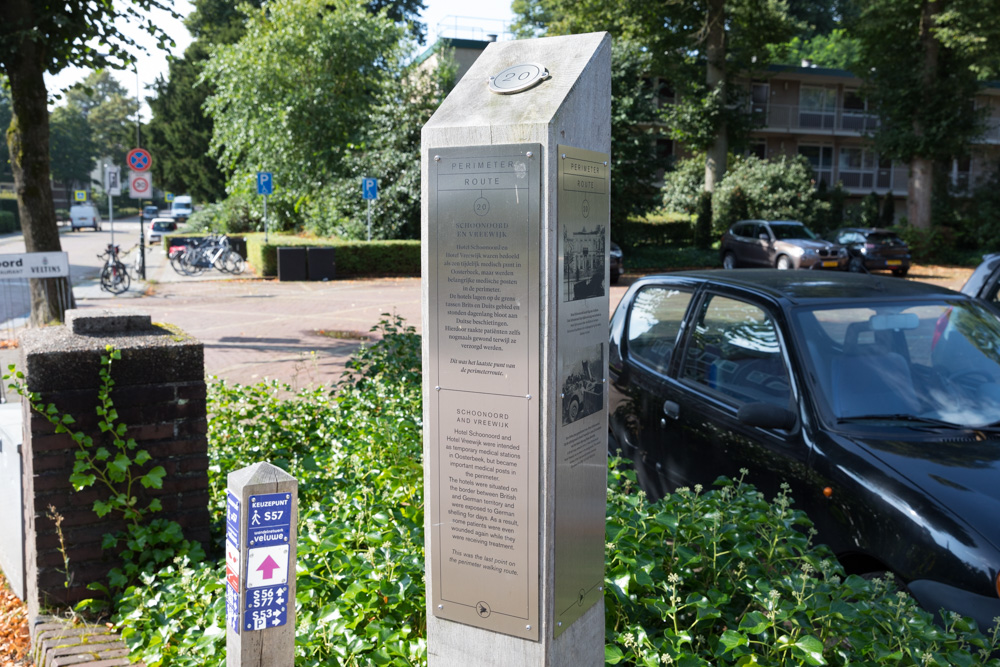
(793,118)
(848,122)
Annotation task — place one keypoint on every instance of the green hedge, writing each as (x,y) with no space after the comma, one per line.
(649,232)
(354,258)
(8,222)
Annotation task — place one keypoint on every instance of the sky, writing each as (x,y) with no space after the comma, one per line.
(464,19)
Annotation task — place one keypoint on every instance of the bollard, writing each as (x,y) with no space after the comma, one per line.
(262,512)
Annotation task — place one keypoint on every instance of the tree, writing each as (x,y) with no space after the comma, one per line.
(38,37)
(71,145)
(922,63)
(295,91)
(391,152)
(110,111)
(180,132)
(700,46)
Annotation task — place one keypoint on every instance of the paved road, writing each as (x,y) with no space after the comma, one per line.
(254,329)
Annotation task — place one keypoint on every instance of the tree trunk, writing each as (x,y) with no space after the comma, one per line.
(28,142)
(919,191)
(715,78)
(918,196)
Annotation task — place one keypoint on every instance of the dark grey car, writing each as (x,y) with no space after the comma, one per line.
(780,244)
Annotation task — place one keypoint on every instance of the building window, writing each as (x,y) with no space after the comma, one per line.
(817,107)
(757,148)
(960,170)
(821,160)
(856,116)
(857,167)
(760,94)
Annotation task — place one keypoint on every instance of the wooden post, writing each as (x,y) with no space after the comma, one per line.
(262,512)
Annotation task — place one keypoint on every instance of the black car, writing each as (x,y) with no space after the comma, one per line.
(984,283)
(617,265)
(874,249)
(877,399)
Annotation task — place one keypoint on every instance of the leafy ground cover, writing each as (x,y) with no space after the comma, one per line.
(15,641)
(717,577)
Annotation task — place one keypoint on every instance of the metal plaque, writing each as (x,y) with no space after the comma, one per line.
(582,219)
(484,233)
(518,78)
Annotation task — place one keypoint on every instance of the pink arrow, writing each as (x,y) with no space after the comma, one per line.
(268,567)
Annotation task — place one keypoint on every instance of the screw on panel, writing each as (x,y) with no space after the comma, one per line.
(437,388)
(437,158)
(528,396)
(564,156)
(530,154)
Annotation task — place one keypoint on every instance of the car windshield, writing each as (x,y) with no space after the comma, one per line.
(881,238)
(783,232)
(936,362)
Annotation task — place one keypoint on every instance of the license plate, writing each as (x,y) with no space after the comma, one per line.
(829,264)
(893,262)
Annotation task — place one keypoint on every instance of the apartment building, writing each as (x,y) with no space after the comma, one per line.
(818,113)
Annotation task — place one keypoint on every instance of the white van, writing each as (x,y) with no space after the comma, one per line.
(181,208)
(84,215)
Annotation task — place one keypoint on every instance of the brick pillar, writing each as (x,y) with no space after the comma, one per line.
(160,396)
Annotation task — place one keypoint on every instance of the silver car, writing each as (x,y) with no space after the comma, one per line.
(781,244)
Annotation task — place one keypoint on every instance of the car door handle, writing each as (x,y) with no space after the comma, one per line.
(671,409)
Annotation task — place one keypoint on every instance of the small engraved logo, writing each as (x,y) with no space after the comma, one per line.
(483,609)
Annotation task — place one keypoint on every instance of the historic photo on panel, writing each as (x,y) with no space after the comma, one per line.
(582,212)
(484,230)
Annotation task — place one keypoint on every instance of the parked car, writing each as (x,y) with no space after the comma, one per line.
(150,212)
(158,227)
(781,244)
(876,399)
(984,283)
(617,263)
(84,215)
(873,249)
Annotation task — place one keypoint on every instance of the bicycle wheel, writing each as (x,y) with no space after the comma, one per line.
(235,263)
(191,262)
(114,278)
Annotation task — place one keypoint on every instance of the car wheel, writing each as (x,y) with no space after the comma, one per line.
(783,263)
(729,261)
(900,272)
(574,409)
(856,265)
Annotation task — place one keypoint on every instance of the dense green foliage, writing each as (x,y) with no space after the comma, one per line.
(72,149)
(725,577)
(780,189)
(390,152)
(699,578)
(293,93)
(8,223)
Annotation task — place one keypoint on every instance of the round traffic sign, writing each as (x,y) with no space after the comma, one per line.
(140,184)
(139,159)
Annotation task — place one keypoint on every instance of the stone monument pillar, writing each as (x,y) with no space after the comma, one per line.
(516,204)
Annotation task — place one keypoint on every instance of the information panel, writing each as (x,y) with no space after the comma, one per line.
(484,211)
(582,213)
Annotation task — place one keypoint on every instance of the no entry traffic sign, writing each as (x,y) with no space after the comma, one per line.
(139,159)
(140,184)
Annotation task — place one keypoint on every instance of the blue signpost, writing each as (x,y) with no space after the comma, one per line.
(369,190)
(265,187)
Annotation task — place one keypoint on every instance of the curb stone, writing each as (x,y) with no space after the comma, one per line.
(57,642)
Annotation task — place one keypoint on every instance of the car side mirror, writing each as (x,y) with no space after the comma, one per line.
(766,415)
(764,237)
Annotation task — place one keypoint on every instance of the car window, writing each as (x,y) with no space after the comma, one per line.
(735,351)
(792,232)
(743,230)
(759,230)
(654,323)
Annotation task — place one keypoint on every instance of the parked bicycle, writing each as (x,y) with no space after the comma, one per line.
(134,263)
(114,274)
(204,254)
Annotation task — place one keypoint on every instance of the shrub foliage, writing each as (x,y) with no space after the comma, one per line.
(722,577)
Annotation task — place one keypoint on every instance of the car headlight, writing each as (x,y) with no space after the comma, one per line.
(809,254)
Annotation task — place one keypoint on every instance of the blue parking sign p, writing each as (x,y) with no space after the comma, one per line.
(265,183)
(369,188)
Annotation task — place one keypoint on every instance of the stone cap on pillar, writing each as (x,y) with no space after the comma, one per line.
(107,321)
(69,357)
